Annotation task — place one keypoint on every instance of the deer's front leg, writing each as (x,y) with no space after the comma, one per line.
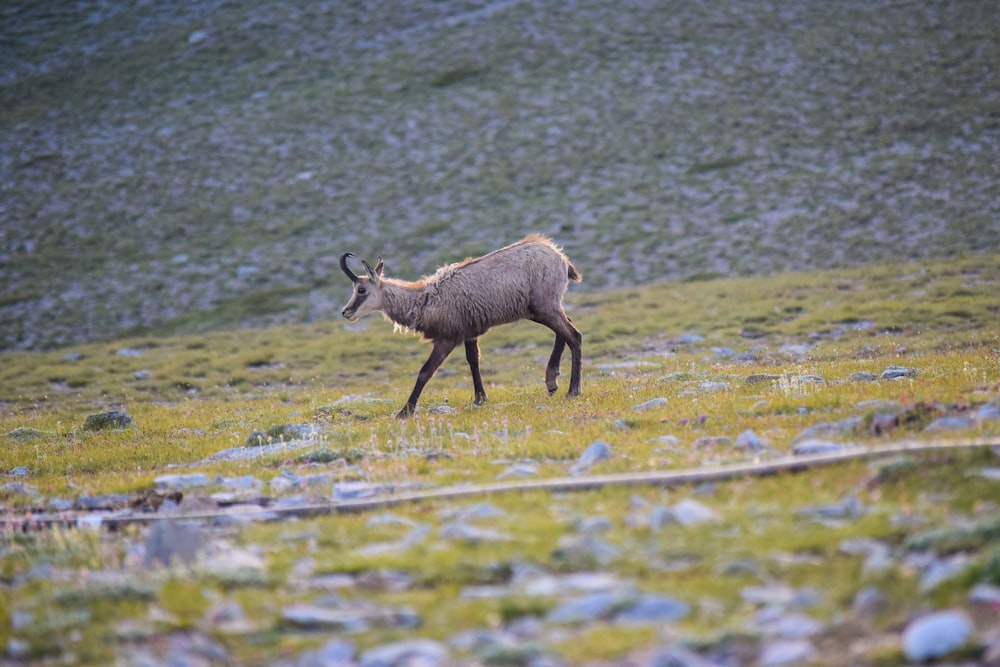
(442,348)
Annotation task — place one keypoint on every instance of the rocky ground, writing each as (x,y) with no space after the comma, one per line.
(585,586)
(188,167)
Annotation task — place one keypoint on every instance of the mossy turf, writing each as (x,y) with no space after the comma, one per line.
(696,344)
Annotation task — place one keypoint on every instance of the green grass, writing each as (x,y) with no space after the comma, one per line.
(197,394)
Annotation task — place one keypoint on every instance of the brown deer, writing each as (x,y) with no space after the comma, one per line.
(460,302)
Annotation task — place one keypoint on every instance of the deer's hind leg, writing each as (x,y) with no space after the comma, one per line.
(472,356)
(566,334)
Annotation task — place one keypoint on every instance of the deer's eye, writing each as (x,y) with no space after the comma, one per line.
(362,291)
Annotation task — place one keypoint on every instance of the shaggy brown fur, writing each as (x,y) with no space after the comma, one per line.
(462,301)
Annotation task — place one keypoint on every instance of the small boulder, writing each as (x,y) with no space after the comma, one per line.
(936,634)
(115,420)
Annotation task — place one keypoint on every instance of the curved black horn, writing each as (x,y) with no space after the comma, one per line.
(346,269)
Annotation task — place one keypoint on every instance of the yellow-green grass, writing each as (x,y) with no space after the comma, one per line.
(200,394)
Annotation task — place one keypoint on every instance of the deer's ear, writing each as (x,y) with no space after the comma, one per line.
(376,273)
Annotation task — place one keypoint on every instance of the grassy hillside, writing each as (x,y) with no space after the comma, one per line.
(675,375)
(186,168)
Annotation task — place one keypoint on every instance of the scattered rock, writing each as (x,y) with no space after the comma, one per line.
(585,551)
(18,489)
(356,490)
(749,441)
(897,373)
(829,429)
(598,450)
(679,656)
(329,619)
(762,378)
(584,609)
(869,601)
(114,420)
(951,423)
(652,609)
(25,434)
(989,412)
(406,653)
(786,652)
(713,441)
(780,595)
(877,554)
(848,508)
(520,470)
(690,512)
(170,542)
(181,481)
(650,404)
(335,653)
(862,376)
(471,534)
(936,634)
(940,570)
(817,446)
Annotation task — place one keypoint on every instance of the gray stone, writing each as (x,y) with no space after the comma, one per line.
(585,550)
(650,404)
(877,554)
(749,441)
(814,446)
(406,653)
(598,450)
(18,489)
(356,490)
(653,609)
(335,653)
(987,594)
(848,508)
(103,501)
(780,595)
(593,525)
(25,434)
(690,512)
(897,373)
(869,601)
(115,420)
(584,609)
(862,376)
(941,570)
(243,483)
(171,541)
(951,424)
(330,618)
(829,429)
(462,531)
(182,481)
(936,634)
(712,441)
(59,505)
(660,517)
(787,652)
(774,622)
(679,656)
(520,470)
(988,412)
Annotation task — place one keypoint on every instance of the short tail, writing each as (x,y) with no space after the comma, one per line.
(573,274)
